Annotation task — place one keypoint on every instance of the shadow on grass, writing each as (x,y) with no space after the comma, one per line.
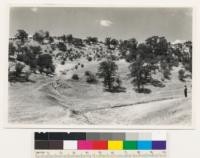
(185,77)
(157,83)
(143,90)
(116,90)
(22,78)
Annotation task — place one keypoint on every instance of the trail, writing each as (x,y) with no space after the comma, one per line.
(78,114)
(164,112)
(129,104)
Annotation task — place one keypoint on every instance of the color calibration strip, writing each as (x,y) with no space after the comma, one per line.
(99,141)
(99,144)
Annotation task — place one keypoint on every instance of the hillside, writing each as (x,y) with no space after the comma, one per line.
(77,102)
(98,83)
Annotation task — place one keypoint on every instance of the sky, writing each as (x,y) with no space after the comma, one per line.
(121,23)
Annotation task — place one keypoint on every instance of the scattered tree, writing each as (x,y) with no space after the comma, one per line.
(114,43)
(138,70)
(63,38)
(159,45)
(91,40)
(40,36)
(181,75)
(107,70)
(111,43)
(78,42)
(21,35)
(107,41)
(69,38)
(128,49)
(51,39)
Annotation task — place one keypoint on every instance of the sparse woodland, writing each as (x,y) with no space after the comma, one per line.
(41,53)
(69,80)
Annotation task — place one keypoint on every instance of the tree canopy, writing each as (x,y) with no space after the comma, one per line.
(21,35)
(41,35)
(107,70)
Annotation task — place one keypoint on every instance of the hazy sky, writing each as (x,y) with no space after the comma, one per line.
(120,23)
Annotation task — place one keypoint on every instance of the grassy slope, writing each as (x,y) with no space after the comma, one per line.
(75,102)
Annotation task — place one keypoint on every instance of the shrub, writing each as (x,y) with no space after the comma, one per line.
(18,68)
(27,74)
(176,63)
(188,66)
(52,68)
(87,73)
(77,42)
(62,62)
(49,70)
(89,58)
(53,47)
(40,36)
(45,60)
(166,74)
(91,78)
(20,57)
(82,65)
(75,77)
(62,47)
(113,57)
(69,38)
(36,49)
(40,69)
(33,64)
(181,75)
(118,82)
(51,39)
(91,40)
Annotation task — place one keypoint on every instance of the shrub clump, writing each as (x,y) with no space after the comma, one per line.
(91,78)
(181,75)
(18,69)
(62,62)
(75,77)
(89,58)
(87,73)
(166,74)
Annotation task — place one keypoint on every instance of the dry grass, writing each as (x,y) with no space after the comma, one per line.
(64,101)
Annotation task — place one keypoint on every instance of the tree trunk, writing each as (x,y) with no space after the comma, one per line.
(138,86)
(109,84)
